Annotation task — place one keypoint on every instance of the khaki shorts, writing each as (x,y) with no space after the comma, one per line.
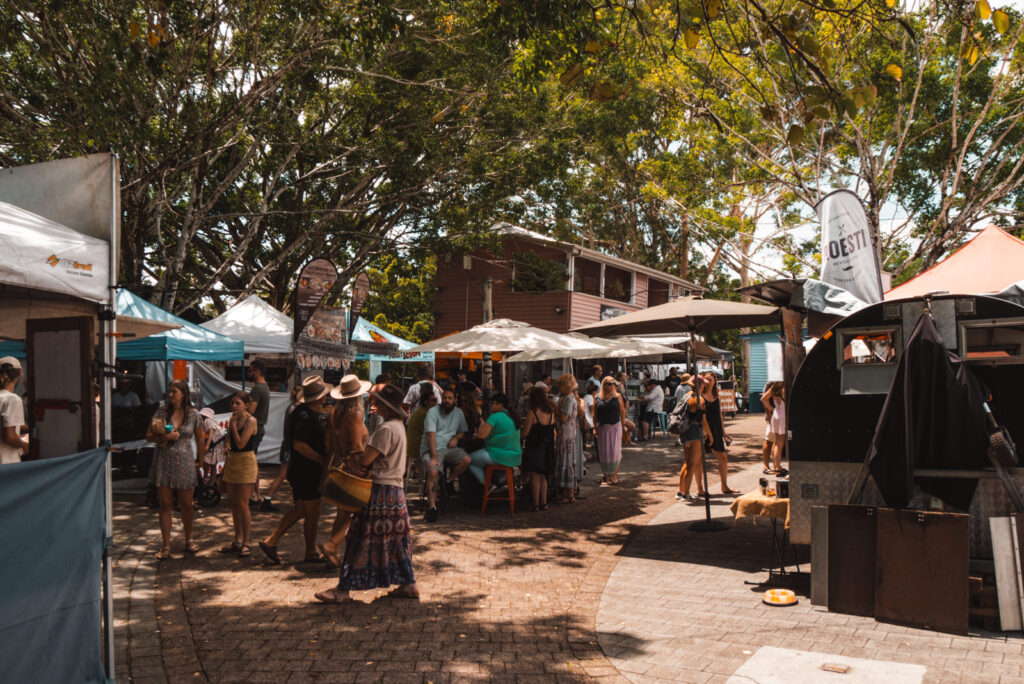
(445,457)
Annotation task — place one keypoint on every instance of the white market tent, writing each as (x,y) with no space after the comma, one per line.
(262,328)
(622,348)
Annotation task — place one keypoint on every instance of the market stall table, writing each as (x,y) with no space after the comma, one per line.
(756,504)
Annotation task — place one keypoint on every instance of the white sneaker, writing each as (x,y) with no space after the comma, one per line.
(680,496)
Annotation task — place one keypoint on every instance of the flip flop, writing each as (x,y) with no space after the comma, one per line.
(333,559)
(331,596)
(233,547)
(729,492)
(314,559)
(270,552)
(245,551)
(191,547)
(164,553)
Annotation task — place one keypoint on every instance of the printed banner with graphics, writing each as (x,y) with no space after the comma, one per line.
(848,256)
(322,345)
(360,290)
(315,281)
(375,344)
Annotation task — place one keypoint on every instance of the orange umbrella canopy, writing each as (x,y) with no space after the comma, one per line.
(992,261)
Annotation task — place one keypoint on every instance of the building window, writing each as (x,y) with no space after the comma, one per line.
(618,284)
(587,277)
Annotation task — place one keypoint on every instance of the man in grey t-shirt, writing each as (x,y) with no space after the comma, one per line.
(444,425)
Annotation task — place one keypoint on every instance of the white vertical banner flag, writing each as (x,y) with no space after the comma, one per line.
(848,256)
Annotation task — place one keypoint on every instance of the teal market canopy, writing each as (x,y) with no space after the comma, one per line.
(190,342)
(364,331)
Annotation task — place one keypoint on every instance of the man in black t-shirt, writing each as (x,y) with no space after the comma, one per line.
(305,471)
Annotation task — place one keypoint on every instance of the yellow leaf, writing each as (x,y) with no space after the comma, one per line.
(152,38)
(983,9)
(972,54)
(795,135)
(714,8)
(894,71)
(1001,20)
(592,47)
(890,3)
(135,29)
(691,38)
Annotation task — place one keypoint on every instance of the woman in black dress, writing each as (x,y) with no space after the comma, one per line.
(539,452)
(716,429)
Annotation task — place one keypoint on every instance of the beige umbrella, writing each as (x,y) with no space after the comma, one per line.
(622,348)
(686,314)
(504,335)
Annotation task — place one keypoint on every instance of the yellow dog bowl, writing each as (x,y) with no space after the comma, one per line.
(779,597)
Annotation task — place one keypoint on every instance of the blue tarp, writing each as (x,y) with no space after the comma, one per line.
(53,534)
(12,348)
(365,331)
(190,342)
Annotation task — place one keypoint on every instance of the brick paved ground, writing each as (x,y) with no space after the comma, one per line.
(541,597)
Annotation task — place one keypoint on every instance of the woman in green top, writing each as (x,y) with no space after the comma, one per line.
(500,433)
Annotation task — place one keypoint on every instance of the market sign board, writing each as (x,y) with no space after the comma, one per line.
(315,281)
(321,346)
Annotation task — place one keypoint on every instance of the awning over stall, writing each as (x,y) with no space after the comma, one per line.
(364,331)
(990,262)
(190,342)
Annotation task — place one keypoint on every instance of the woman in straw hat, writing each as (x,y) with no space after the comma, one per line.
(305,471)
(346,439)
(378,547)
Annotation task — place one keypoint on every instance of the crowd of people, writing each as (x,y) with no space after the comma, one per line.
(382,433)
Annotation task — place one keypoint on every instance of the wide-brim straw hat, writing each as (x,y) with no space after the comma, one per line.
(685,379)
(349,387)
(314,387)
(392,397)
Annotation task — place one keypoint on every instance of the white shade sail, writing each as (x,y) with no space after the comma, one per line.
(504,335)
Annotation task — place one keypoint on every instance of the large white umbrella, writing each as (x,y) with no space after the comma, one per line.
(504,335)
(622,348)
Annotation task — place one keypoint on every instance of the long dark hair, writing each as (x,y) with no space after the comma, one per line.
(186,400)
(539,401)
(467,402)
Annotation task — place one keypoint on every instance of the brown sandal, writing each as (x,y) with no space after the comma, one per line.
(164,553)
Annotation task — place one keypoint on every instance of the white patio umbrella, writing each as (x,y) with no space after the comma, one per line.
(504,335)
(621,348)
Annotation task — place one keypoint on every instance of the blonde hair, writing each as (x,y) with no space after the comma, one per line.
(566,383)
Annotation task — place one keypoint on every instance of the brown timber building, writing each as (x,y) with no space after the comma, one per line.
(596,285)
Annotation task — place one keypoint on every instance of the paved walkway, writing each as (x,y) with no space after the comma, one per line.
(583,592)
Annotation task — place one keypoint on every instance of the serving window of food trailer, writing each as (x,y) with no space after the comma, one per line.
(867,358)
(992,341)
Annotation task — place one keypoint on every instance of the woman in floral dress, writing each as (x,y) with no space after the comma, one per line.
(180,444)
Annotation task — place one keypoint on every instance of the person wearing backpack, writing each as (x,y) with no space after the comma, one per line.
(688,418)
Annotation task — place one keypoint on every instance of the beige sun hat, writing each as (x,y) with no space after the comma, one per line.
(349,387)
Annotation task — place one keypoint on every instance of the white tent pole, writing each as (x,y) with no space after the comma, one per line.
(109,347)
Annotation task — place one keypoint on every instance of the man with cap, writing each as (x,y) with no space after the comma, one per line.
(12,413)
(305,470)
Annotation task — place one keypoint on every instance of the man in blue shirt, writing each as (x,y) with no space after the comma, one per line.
(445,424)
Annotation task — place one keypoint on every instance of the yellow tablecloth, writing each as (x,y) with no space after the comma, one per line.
(756,505)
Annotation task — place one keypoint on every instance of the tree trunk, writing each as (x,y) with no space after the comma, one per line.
(684,248)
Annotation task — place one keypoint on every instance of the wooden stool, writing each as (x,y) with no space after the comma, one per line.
(510,476)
